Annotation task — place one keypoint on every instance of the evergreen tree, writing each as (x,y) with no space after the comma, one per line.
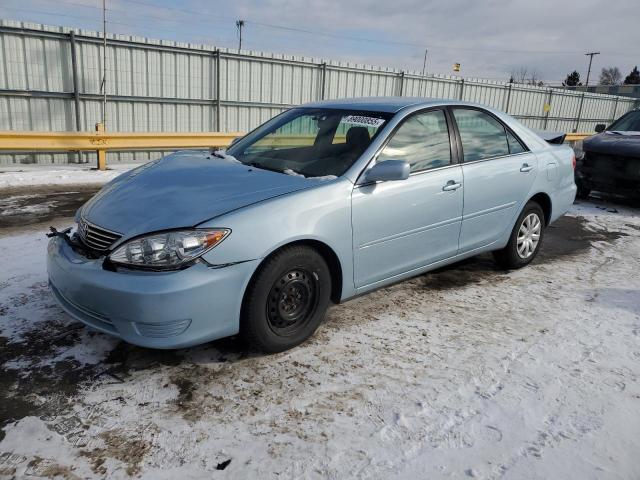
(633,78)
(572,80)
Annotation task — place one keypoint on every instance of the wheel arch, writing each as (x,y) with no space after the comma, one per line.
(328,254)
(544,200)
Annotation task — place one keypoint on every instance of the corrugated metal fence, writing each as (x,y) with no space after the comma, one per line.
(51,79)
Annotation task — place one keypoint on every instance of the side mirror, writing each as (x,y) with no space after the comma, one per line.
(601,127)
(388,170)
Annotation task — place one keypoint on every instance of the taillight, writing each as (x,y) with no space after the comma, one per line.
(573,161)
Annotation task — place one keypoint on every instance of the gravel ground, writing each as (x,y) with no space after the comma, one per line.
(466,372)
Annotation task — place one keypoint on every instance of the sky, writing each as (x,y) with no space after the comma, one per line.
(489,38)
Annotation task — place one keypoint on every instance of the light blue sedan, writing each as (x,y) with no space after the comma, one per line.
(322,203)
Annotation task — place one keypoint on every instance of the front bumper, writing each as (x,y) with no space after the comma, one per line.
(609,173)
(150,309)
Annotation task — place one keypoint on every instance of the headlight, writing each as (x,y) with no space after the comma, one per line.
(168,250)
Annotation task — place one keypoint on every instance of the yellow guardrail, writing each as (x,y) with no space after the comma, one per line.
(101,141)
(574,137)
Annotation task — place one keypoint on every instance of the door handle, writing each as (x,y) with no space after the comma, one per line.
(451,186)
(526,168)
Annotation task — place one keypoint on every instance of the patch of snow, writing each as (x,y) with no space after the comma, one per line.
(224,156)
(12,206)
(293,173)
(38,175)
(464,372)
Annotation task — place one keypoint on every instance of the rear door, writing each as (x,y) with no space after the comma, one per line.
(498,173)
(402,225)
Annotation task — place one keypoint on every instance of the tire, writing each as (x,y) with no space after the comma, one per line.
(517,255)
(583,193)
(286,299)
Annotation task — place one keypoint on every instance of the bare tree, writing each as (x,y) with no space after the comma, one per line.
(526,76)
(610,76)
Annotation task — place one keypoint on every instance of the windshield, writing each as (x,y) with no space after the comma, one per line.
(627,123)
(313,142)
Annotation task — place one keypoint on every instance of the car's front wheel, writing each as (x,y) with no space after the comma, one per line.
(525,240)
(583,193)
(286,300)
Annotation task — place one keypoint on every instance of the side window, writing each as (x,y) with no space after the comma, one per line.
(422,141)
(482,135)
(514,144)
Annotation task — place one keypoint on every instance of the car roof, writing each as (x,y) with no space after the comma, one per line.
(382,104)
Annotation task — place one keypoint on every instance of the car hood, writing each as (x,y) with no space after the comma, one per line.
(614,143)
(183,190)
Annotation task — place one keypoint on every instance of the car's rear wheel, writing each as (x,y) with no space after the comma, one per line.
(286,300)
(525,240)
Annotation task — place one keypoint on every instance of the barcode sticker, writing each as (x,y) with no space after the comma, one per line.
(364,121)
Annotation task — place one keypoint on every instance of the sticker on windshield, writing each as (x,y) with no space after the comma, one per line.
(364,121)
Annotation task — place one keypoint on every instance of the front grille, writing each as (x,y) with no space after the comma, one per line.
(96,238)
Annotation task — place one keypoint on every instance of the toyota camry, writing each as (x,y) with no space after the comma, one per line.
(322,203)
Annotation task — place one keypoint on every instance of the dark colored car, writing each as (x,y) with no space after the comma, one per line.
(611,159)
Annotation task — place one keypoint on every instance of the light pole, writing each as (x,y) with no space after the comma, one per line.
(590,55)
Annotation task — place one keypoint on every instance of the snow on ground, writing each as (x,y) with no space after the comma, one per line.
(467,372)
(25,175)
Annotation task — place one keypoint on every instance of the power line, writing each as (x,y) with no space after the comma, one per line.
(337,35)
(306,31)
(114,22)
(409,44)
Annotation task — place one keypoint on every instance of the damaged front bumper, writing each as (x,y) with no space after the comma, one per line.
(150,309)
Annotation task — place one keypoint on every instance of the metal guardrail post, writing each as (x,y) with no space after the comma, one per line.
(74,76)
(615,109)
(323,78)
(102,153)
(579,113)
(76,88)
(548,112)
(401,83)
(218,89)
(506,104)
(461,88)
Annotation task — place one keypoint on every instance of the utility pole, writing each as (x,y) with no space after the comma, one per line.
(424,69)
(590,55)
(239,25)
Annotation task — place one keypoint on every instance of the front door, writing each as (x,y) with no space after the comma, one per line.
(404,225)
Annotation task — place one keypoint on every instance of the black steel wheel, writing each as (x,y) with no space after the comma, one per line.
(286,300)
(292,301)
